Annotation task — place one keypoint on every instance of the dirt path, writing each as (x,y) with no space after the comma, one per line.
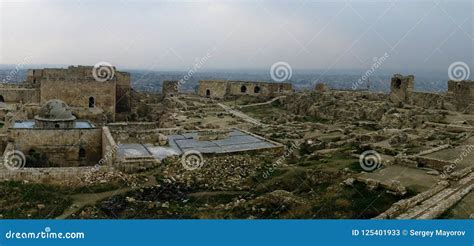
(82,200)
(241,115)
(261,104)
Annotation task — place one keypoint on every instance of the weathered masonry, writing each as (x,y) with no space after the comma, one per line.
(459,97)
(221,88)
(76,86)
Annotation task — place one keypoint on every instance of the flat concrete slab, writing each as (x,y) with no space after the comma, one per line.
(237,141)
(414,178)
(462,154)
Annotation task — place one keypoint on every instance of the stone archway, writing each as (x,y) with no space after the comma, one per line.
(257,89)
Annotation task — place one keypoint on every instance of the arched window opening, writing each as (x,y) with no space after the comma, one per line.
(243,89)
(398,83)
(31,152)
(82,153)
(256,89)
(91,102)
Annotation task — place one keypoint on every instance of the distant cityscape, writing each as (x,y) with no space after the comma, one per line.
(151,81)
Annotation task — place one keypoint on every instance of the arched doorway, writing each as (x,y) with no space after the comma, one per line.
(82,153)
(2,99)
(243,89)
(91,102)
(256,89)
(208,93)
(398,83)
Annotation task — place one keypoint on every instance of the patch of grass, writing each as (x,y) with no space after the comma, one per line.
(97,188)
(354,203)
(31,200)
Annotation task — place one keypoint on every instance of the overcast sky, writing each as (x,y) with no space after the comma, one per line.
(173,35)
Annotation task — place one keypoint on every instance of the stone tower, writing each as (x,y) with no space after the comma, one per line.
(401,88)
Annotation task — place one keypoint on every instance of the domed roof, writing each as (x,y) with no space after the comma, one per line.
(55,110)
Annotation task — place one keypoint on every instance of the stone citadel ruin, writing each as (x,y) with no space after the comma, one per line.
(69,125)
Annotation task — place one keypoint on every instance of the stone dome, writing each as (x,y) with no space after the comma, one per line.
(55,110)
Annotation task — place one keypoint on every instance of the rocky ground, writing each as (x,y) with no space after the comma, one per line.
(324,134)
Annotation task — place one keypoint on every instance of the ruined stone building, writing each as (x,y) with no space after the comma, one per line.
(462,95)
(459,97)
(221,88)
(76,86)
(58,135)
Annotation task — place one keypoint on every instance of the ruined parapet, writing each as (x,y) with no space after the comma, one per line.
(462,95)
(213,135)
(401,88)
(170,88)
(406,161)
(461,173)
(392,186)
(321,87)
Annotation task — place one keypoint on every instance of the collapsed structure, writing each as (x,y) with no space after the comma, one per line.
(459,97)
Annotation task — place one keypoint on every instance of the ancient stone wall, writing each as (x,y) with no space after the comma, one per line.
(85,94)
(109,147)
(239,88)
(123,92)
(61,176)
(212,89)
(61,146)
(17,95)
(462,93)
(429,100)
(64,176)
(76,86)
(220,89)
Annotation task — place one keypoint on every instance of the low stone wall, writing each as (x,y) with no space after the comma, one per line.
(403,205)
(132,126)
(109,147)
(428,100)
(68,176)
(433,163)
(137,164)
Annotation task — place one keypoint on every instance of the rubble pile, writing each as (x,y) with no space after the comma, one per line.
(108,175)
(216,173)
